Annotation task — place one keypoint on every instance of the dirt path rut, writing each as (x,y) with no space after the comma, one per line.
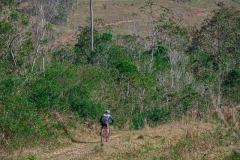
(121,141)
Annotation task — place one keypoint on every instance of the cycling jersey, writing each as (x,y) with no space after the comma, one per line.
(105,118)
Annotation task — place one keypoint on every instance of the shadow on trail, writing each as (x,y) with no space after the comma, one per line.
(78,141)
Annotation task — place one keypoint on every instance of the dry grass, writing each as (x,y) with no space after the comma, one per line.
(179,140)
(117,16)
(120,10)
(187,139)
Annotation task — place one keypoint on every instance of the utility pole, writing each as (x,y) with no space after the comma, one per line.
(91,16)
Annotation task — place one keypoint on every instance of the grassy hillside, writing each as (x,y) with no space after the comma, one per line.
(192,12)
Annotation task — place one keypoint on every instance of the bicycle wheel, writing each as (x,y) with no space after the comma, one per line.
(104,134)
(108,135)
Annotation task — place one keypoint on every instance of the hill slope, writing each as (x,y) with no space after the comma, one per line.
(125,17)
(119,10)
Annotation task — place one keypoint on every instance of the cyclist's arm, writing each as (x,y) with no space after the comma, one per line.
(111,118)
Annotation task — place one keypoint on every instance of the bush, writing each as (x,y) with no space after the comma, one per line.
(82,105)
(45,94)
(159,115)
(234,155)
(21,125)
(138,120)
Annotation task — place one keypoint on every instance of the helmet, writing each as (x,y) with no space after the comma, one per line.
(107,111)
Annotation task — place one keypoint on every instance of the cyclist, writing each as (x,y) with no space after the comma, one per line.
(104,120)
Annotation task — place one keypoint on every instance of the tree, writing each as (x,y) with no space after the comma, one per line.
(91,16)
(43,15)
(15,38)
(156,17)
(102,45)
(214,56)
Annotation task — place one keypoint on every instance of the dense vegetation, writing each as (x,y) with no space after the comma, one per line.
(142,80)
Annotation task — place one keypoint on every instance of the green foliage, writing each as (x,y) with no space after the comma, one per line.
(32,157)
(26,118)
(65,54)
(127,68)
(202,108)
(215,53)
(152,116)
(7,85)
(116,56)
(232,79)
(146,81)
(231,86)
(16,42)
(222,28)
(131,46)
(6,2)
(81,104)
(19,122)
(45,94)
(47,91)
(101,46)
(161,58)
(138,119)
(173,29)
(190,95)
(234,155)
(158,115)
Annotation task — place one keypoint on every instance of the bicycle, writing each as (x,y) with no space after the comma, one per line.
(105,133)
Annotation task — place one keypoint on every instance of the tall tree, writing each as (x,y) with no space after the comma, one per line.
(15,38)
(91,26)
(215,59)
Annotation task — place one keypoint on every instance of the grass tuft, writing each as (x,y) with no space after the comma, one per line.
(140,137)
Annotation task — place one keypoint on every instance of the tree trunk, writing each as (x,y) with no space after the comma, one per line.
(43,62)
(153,38)
(91,16)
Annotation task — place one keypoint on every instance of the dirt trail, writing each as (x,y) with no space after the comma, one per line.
(124,140)
(186,139)
(79,150)
(69,37)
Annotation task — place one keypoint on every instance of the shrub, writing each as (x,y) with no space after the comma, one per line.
(159,115)
(138,120)
(82,105)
